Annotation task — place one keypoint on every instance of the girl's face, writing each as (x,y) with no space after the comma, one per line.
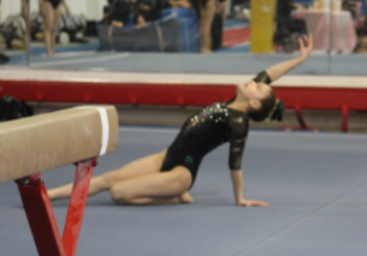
(254,92)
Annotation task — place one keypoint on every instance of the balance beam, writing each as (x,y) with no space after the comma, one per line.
(36,144)
(40,143)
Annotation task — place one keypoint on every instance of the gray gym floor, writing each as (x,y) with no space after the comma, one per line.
(316,184)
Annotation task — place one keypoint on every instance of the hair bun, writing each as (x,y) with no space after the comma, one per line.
(278,112)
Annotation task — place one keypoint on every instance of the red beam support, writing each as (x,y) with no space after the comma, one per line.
(42,219)
(345,117)
(40,216)
(77,205)
(301,121)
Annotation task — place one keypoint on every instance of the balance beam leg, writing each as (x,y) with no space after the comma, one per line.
(345,118)
(301,121)
(77,205)
(40,216)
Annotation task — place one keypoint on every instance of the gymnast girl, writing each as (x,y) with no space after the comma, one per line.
(167,176)
(51,11)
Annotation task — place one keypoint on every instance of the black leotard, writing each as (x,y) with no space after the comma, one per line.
(203,132)
(206,130)
(55,3)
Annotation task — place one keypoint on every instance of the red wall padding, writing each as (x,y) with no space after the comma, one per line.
(175,94)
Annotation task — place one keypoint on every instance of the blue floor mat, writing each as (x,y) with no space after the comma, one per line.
(18,56)
(315,184)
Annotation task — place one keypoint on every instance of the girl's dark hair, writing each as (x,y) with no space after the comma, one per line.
(267,105)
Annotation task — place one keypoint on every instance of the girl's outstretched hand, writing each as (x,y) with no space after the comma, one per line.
(305,49)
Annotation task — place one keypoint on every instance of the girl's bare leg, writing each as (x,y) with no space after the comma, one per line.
(55,27)
(155,188)
(48,18)
(185,198)
(206,20)
(144,166)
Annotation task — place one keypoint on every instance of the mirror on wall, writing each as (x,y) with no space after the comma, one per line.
(63,30)
(222,36)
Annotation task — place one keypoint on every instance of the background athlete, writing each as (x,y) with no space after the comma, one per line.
(51,11)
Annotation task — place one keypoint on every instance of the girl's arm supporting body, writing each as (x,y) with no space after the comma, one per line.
(270,75)
(237,189)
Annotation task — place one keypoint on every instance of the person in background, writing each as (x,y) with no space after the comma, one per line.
(14,31)
(118,11)
(118,14)
(359,13)
(107,9)
(151,10)
(26,16)
(218,24)
(206,11)
(51,11)
(288,30)
(3,58)
(148,11)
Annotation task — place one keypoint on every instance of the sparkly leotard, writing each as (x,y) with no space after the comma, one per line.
(206,130)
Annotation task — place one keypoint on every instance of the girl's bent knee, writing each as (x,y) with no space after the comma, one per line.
(117,196)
